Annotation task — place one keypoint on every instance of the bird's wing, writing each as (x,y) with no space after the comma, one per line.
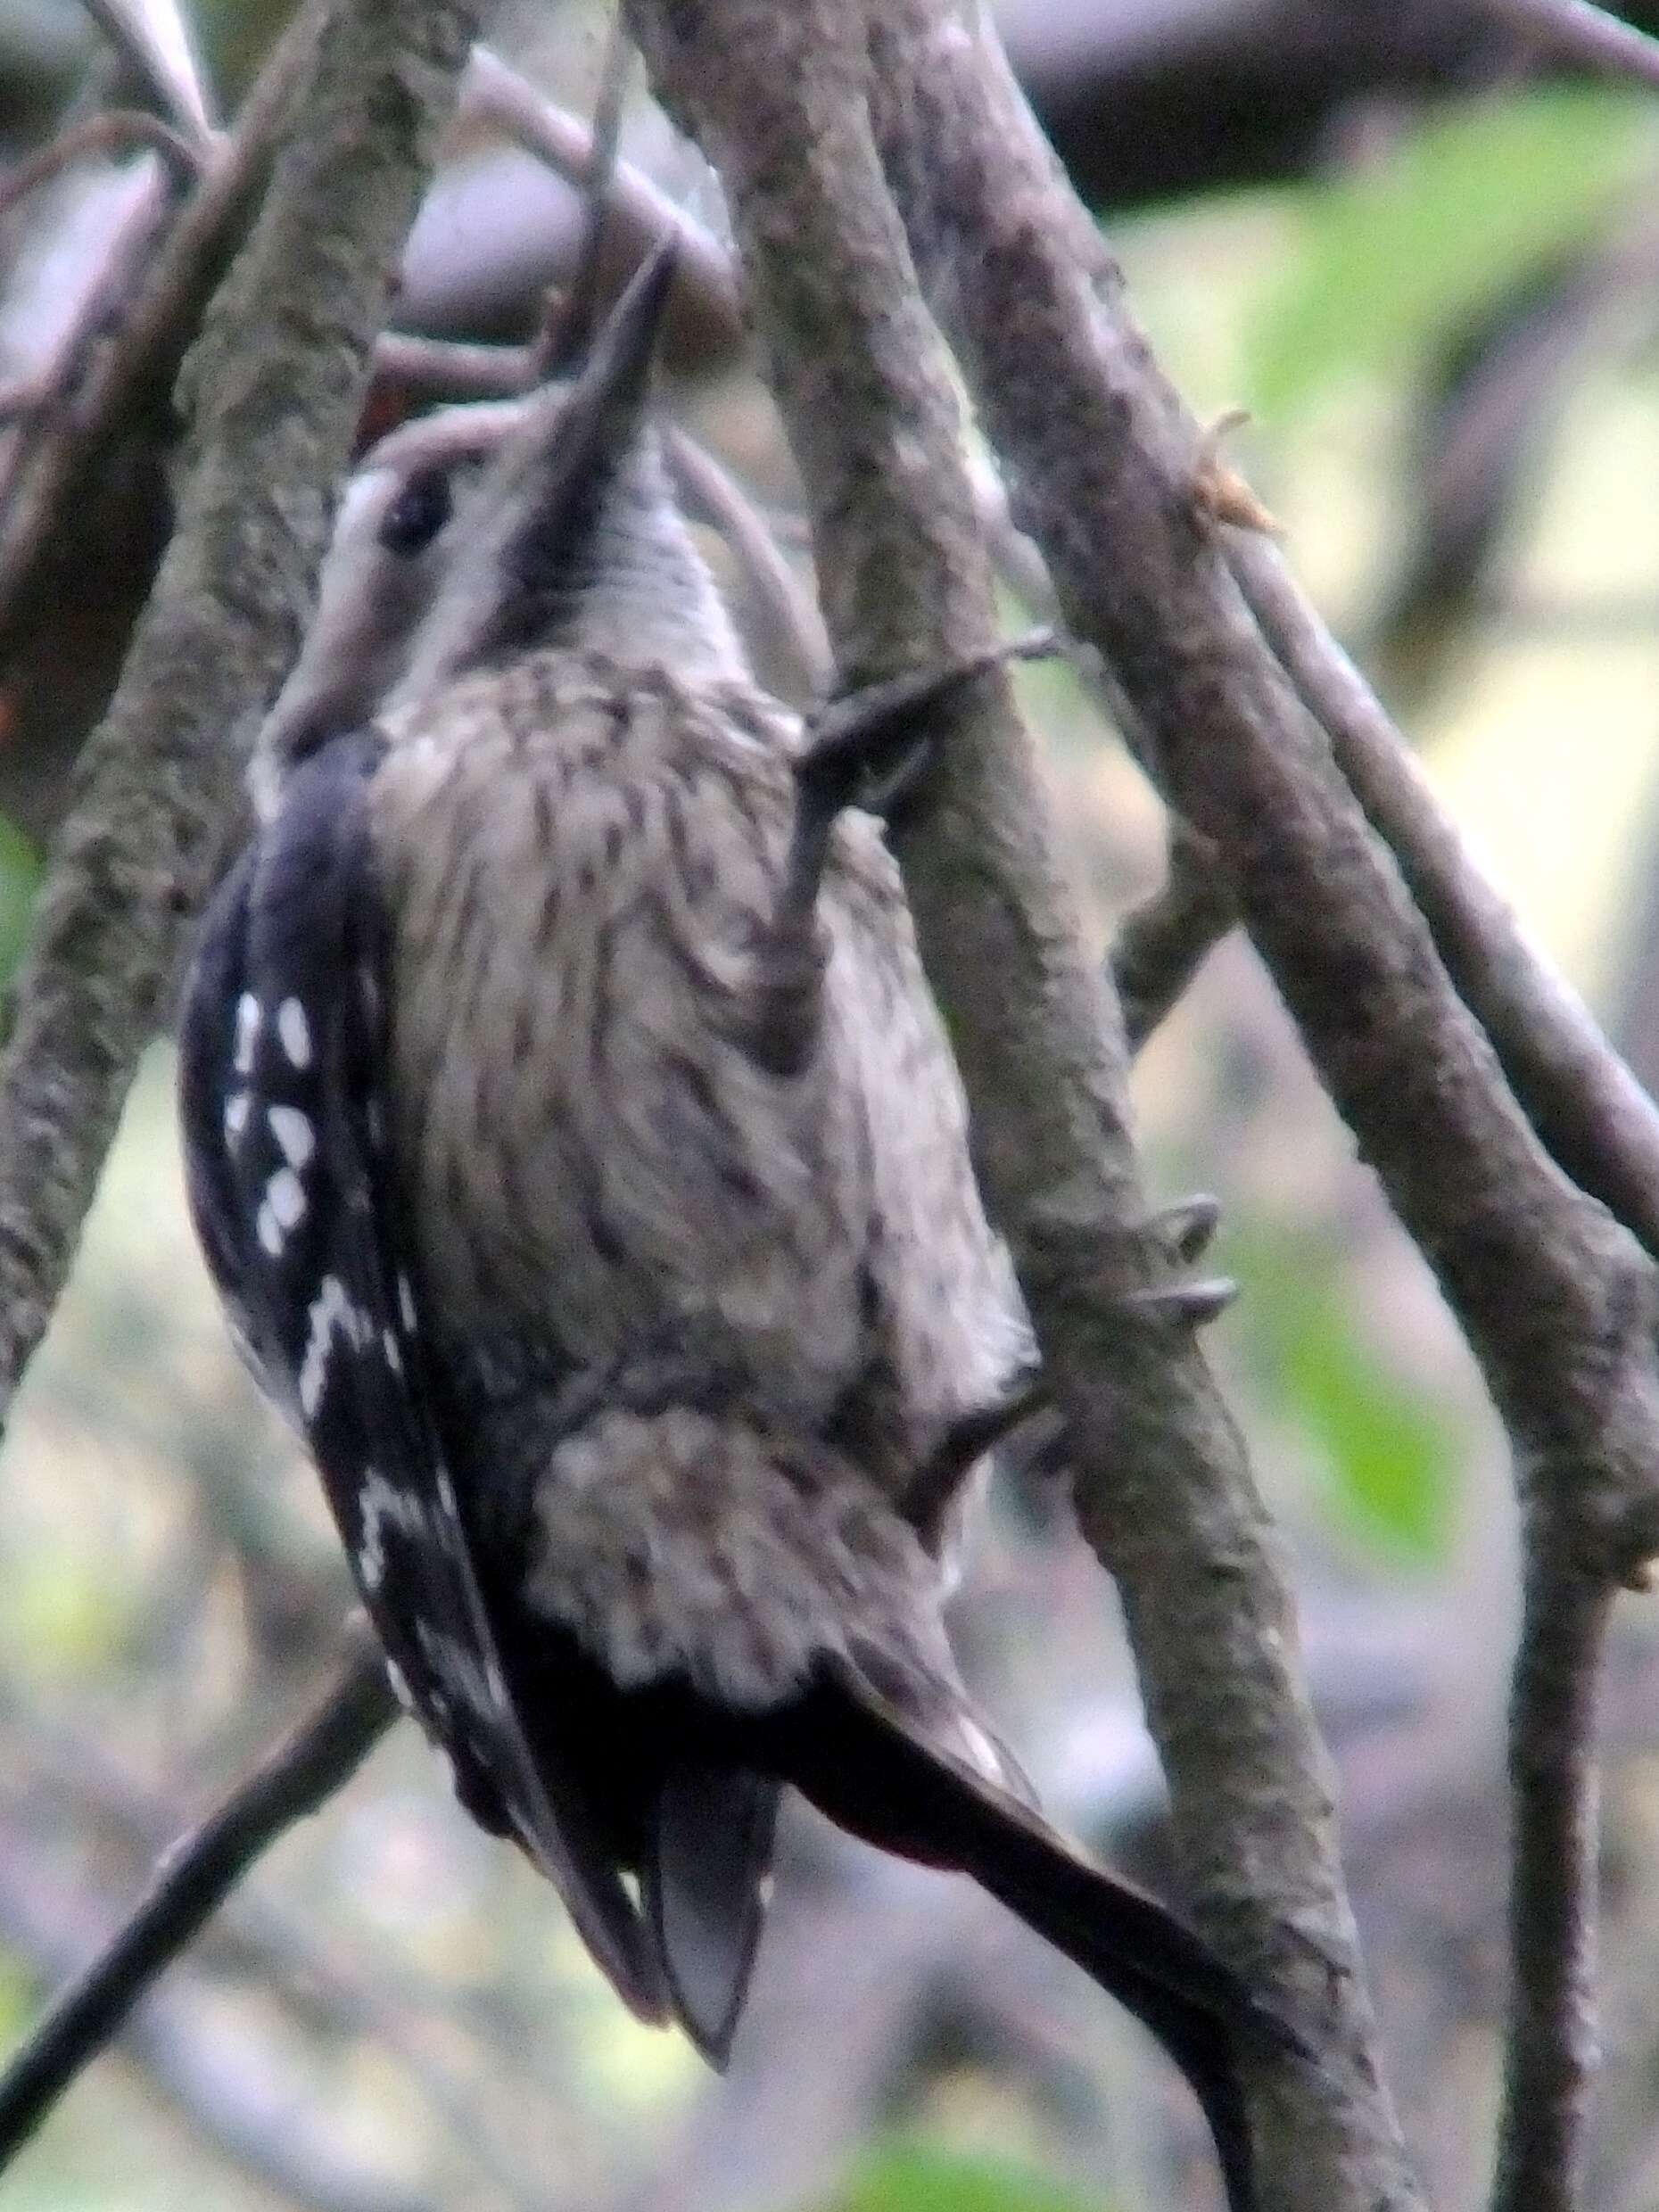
(212,1100)
(286,1118)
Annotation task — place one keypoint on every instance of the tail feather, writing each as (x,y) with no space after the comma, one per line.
(709,1850)
(875,1771)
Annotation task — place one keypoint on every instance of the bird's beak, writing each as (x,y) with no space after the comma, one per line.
(609,395)
(574,442)
(592,424)
(544,512)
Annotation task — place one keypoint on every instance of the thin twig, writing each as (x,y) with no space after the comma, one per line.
(243,2105)
(1551,2055)
(306,1768)
(792,641)
(1595,1118)
(253,1937)
(453,368)
(1576,31)
(640,213)
(155,310)
(119,130)
(153,38)
(568,334)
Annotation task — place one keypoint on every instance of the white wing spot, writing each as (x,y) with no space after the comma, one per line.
(236,1109)
(268,1230)
(389,1345)
(383,1508)
(294,1132)
(247,1019)
(405,1302)
(295,1032)
(399,1687)
(446,1491)
(284,1194)
(330,1310)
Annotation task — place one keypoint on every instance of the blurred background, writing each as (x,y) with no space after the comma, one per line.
(1428,266)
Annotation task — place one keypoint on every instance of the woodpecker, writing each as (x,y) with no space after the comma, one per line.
(572,1134)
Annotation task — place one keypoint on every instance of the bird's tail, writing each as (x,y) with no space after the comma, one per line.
(881,1774)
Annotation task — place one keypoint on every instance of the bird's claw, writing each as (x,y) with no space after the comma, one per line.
(1193,1304)
(1188,1225)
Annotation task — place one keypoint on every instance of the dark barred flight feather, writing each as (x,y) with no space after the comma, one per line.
(283,1024)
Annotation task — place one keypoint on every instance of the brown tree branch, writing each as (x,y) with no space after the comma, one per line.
(1234,744)
(149,310)
(1594,1117)
(281,370)
(454,369)
(153,37)
(637,212)
(1555,1299)
(789,630)
(118,130)
(1551,2054)
(85,510)
(873,422)
(304,1770)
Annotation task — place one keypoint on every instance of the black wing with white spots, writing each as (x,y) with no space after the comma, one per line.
(213,1101)
(282,1054)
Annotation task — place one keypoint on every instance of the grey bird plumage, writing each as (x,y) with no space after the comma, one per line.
(567,1109)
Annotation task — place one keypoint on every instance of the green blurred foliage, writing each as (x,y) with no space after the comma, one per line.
(912,2177)
(1384,258)
(1388,1453)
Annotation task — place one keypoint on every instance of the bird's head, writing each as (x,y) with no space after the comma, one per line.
(399,519)
(575,539)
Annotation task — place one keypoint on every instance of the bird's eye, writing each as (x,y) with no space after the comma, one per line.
(418,514)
